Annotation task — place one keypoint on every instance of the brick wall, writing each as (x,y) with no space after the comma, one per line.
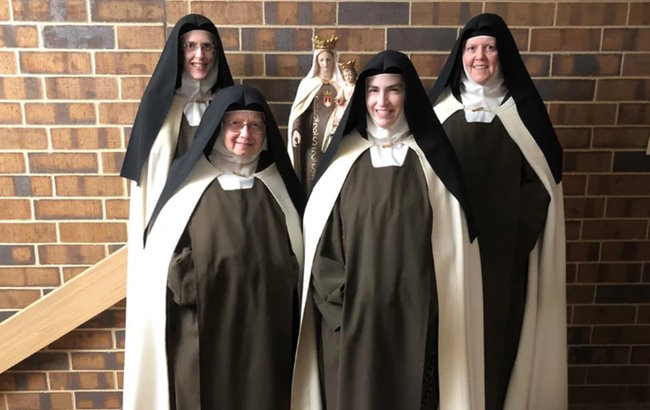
(72,73)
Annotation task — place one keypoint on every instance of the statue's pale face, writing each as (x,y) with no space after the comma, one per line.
(325,62)
(349,76)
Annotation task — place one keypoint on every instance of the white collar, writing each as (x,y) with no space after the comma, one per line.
(481,100)
(198,93)
(387,147)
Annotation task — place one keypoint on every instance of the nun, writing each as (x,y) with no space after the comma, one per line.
(191,68)
(223,255)
(392,274)
(512,164)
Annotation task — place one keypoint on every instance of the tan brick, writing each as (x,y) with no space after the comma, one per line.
(582,114)
(280,39)
(132,88)
(246,65)
(10,113)
(20,88)
(567,39)
(591,14)
(117,209)
(92,232)
(89,186)
(629,185)
(126,62)
(626,39)
(7,186)
(634,113)
(18,36)
(640,13)
(23,138)
(523,14)
(86,138)
(27,276)
(614,229)
(427,65)
(84,340)
(623,90)
(25,186)
(129,11)
(636,65)
(8,62)
(140,37)
(229,13)
(17,255)
(229,38)
(60,113)
(586,64)
(578,161)
(45,10)
(35,401)
(75,88)
(82,381)
(12,163)
(287,65)
(63,163)
(55,62)
(10,381)
(71,254)
(4,15)
(112,162)
(573,137)
(109,319)
(28,232)
(40,186)
(71,272)
(443,14)
(117,113)
(17,298)
(97,361)
(175,10)
(621,137)
(67,209)
(98,399)
(300,13)
(15,209)
(538,65)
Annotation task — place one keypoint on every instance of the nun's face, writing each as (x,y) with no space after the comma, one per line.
(199,51)
(244,132)
(385,98)
(481,58)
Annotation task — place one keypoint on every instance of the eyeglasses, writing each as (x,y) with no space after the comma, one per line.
(237,126)
(192,46)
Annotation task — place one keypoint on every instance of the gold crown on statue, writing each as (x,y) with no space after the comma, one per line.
(347,65)
(324,44)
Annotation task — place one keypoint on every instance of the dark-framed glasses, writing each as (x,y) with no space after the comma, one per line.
(192,46)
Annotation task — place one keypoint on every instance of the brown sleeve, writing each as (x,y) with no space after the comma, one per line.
(329,272)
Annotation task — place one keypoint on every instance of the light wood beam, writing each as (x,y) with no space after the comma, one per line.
(62,310)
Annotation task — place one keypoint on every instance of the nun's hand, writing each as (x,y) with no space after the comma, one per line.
(295,138)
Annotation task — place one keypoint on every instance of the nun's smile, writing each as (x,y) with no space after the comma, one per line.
(385,98)
(481,58)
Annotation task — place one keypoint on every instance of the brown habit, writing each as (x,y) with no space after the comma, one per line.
(375,292)
(233,286)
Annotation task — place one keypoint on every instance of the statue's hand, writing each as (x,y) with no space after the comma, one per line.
(295,138)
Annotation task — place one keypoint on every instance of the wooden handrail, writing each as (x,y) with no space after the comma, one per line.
(62,310)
